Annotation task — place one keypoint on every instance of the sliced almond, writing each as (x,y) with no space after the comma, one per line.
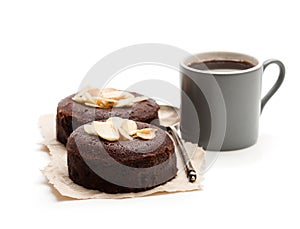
(130,101)
(124,135)
(116,128)
(106,130)
(122,126)
(139,99)
(92,105)
(100,104)
(90,129)
(107,98)
(105,103)
(109,102)
(117,95)
(108,89)
(94,92)
(124,102)
(146,133)
(116,121)
(89,99)
(129,126)
(77,99)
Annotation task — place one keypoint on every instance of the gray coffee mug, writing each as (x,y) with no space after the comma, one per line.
(227,102)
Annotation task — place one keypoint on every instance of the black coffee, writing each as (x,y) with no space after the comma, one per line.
(222,65)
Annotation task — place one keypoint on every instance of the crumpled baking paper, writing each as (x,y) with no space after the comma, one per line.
(57,172)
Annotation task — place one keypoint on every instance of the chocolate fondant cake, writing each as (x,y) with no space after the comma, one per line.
(123,165)
(72,114)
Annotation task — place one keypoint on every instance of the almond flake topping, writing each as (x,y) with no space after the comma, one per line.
(107,98)
(115,128)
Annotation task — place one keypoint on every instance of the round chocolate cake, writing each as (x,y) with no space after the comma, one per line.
(121,166)
(71,114)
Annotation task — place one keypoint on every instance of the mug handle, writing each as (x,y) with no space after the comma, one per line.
(278,82)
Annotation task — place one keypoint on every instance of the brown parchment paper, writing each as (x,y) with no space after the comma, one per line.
(57,172)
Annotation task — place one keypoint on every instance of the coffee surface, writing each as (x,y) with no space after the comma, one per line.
(222,65)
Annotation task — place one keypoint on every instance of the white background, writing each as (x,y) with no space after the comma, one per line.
(46,48)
